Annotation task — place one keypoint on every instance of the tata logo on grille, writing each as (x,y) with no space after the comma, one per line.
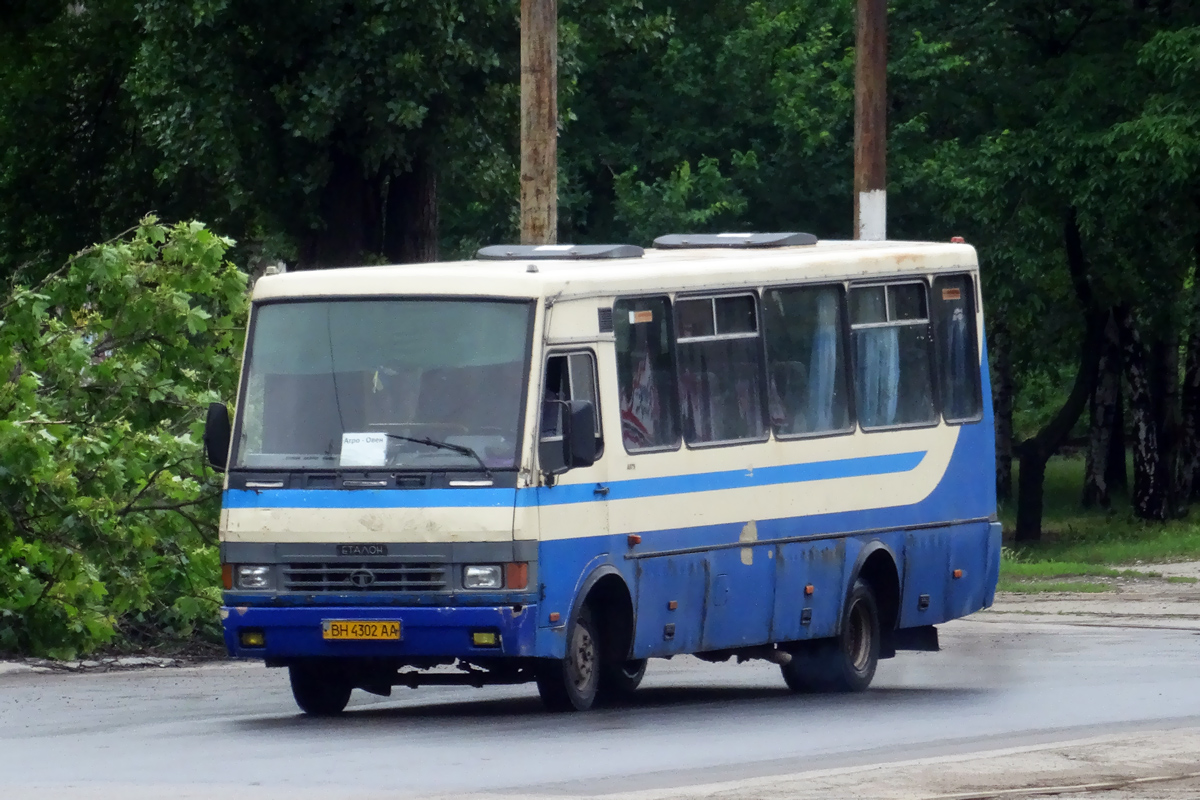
(362,578)
(362,550)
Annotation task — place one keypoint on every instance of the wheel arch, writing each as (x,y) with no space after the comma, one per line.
(613,610)
(877,566)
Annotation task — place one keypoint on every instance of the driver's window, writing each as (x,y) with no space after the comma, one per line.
(569,376)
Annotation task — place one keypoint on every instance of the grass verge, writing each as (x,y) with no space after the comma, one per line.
(1068,569)
(1040,587)
(1076,536)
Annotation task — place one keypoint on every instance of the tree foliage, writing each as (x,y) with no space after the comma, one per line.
(73,168)
(107,512)
(309,118)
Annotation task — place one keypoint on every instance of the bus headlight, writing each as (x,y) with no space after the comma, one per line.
(482,577)
(253,577)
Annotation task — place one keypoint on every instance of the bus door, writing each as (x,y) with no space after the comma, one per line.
(573,512)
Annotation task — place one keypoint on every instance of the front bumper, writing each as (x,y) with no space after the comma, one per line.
(425,631)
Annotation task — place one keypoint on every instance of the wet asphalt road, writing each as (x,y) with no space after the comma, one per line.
(995,684)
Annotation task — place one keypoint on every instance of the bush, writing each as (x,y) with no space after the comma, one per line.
(107,511)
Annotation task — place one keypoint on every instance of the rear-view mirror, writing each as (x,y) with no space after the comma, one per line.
(217,432)
(576,447)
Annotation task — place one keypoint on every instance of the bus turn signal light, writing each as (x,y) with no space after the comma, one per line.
(633,539)
(808,590)
(227,576)
(516,575)
(958,573)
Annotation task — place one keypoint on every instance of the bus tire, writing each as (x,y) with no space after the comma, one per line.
(846,662)
(620,679)
(319,692)
(571,684)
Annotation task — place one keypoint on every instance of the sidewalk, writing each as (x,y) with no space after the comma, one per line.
(1158,764)
(1134,603)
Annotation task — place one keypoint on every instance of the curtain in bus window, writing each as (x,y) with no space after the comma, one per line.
(806,364)
(646,374)
(958,360)
(877,360)
(824,364)
(878,380)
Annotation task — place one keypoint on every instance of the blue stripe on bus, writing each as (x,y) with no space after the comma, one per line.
(732,479)
(369,498)
(565,494)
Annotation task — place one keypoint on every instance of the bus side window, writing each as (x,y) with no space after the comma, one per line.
(646,374)
(957,353)
(720,368)
(806,360)
(893,380)
(569,377)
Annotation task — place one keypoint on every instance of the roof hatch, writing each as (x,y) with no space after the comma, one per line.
(524,252)
(676,241)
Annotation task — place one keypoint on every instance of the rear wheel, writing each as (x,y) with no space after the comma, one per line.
(571,684)
(845,663)
(319,691)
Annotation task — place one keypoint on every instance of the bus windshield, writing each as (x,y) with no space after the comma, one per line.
(351,383)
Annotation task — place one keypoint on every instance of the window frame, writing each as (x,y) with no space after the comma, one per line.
(567,352)
(847,361)
(764,410)
(720,337)
(244,374)
(930,351)
(673,356)
(974,329)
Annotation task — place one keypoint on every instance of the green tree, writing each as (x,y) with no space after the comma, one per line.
(73,168)
(324,126)
(1064,149)
(718,86)
(107,512)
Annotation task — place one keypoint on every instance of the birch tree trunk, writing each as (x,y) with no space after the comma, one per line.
(1189,424)
(1169,423)
(1150,479)
(1189,444)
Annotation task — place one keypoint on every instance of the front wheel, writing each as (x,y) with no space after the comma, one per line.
(845,663)
(620,679)
(319,692)
(571,684)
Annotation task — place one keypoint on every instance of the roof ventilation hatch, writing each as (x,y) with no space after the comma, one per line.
(561,252)
(676,241)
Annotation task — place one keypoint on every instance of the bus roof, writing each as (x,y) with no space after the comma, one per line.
(658,271)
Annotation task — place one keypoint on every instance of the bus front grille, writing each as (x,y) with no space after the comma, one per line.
(373,576)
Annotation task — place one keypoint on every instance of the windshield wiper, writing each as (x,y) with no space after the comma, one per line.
(457,448)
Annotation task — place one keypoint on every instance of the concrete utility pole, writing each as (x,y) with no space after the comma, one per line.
(870,121)
(539,121)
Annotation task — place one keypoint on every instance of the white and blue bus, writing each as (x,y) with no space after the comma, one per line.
(553,463)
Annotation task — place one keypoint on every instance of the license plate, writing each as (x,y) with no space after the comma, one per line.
(360,629)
